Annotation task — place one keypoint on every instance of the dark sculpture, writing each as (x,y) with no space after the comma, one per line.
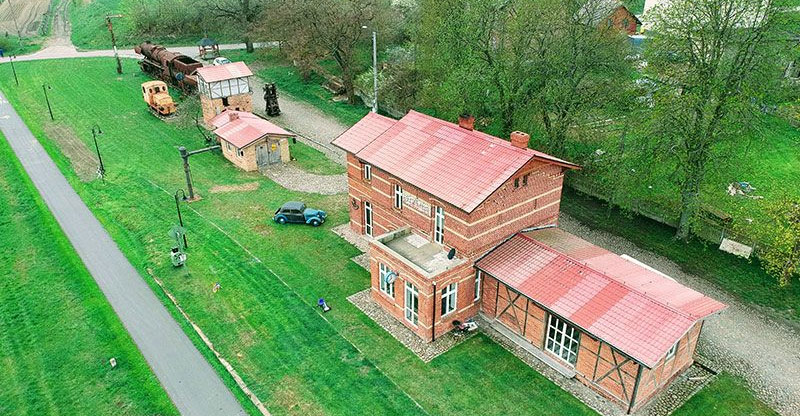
(271,98)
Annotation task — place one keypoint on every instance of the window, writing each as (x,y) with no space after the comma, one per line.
(438,226)
(386,288)
(228,145)
(478,276)
(516,182)
(367,171)
(224,101)
(412,304)
(368,218)
(672,351)
(398,196)
(240,152)
(562,340)
(449,298)
(525,180)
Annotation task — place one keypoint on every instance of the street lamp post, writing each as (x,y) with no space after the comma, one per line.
(374,70)
(178,208)
(46,87)
(13,69)
(95,131)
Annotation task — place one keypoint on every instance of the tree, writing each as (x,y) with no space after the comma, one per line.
(714,63)
(243,14)
(779,234)
(335,28)
(555,60)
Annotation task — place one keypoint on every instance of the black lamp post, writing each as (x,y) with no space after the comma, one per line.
(13,69)
(46,87)
(95,131)
(178,208)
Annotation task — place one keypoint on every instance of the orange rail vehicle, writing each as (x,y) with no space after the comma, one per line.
(155,94)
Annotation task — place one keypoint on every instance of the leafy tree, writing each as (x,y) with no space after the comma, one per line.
(311,29)
(779,232)
(714,63)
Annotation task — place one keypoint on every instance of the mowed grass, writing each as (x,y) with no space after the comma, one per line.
(726,395)
(57,331)
(264,320)
(312,160)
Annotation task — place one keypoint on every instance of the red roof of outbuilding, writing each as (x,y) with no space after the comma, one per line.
(635,309)
(462,167)
(244,130)
(232,70)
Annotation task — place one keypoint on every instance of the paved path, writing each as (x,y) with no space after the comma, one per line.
(189,380)
(741,339)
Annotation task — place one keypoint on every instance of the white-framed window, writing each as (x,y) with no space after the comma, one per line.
(562,339)
(240,152)
(367,171)
(412,304)
(368,218)
(386,288)
(672,351)
(478,278)
(449,298)
(398,196)
(228,146)
(438,225)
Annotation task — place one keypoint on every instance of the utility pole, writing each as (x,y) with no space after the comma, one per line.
(114,40)
(14,70)
(46,87)
(95,131)
(374,71)
(185,155)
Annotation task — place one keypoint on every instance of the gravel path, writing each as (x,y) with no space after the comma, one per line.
(740,340)
(293,178)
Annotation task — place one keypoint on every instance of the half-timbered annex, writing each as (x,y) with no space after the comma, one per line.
(461,222)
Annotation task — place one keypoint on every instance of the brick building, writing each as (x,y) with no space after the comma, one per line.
(249,141)
(462,223)
(224,87)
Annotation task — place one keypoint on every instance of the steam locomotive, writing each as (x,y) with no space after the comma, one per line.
(173,67)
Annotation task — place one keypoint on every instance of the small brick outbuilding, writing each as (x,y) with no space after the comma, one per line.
(463,223)
(249,141)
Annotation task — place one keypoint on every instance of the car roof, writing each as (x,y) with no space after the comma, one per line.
(293,205)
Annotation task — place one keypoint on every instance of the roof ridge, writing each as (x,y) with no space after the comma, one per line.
(604,275)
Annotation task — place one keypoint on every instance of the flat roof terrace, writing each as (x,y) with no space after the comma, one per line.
(419,251)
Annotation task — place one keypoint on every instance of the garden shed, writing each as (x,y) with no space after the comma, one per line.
(249,141)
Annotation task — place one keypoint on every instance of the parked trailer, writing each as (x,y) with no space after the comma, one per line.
(169,66)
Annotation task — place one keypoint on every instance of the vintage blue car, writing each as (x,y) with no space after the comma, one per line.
(297,213)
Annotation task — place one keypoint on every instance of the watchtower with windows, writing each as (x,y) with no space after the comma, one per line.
(224,87)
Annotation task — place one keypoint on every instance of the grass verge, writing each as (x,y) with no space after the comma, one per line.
(726,395)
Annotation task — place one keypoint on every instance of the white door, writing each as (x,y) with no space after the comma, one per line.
(367,218)
(412,304)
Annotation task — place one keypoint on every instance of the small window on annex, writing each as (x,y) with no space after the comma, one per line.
(449,298)
(562,340)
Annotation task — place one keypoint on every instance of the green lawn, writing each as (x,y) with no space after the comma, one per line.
(314,161)
(264,319)
(57,331)
(726,395)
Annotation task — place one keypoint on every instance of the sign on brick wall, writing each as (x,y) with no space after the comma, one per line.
(416,203)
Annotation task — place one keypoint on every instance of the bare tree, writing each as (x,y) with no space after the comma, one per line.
(714,62)
(242,13)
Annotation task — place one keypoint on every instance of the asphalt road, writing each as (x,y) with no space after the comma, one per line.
(189,380)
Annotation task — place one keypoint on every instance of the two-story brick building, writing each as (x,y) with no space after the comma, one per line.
(461,222)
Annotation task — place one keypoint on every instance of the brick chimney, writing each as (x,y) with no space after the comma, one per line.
(233,116)
(520,139)
(466,121)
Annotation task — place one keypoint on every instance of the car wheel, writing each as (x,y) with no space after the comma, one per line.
(315,223)
(281,220)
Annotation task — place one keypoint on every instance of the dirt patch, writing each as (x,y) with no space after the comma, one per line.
(244,187)
(27,13)
(81,158)
(291,395)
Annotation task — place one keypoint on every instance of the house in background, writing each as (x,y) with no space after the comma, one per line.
(249,141)
(621,18)
(463,223)
(224,87)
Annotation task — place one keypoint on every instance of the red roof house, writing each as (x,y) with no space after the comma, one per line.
(462,223)
(249,141)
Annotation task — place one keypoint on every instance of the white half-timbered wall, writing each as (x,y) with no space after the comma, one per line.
(224,88)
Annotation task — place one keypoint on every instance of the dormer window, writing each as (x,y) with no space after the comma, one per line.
(367,168)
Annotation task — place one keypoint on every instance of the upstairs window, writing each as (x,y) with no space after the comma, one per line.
(438,225)
(449,298)
(398,196)
(367,171)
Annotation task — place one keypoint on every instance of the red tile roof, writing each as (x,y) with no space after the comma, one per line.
(232,70)
(244,130)
(462,167)
(636,310)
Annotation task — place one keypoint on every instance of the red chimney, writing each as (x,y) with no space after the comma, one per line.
(520,139)
(233,116)
(466,121)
